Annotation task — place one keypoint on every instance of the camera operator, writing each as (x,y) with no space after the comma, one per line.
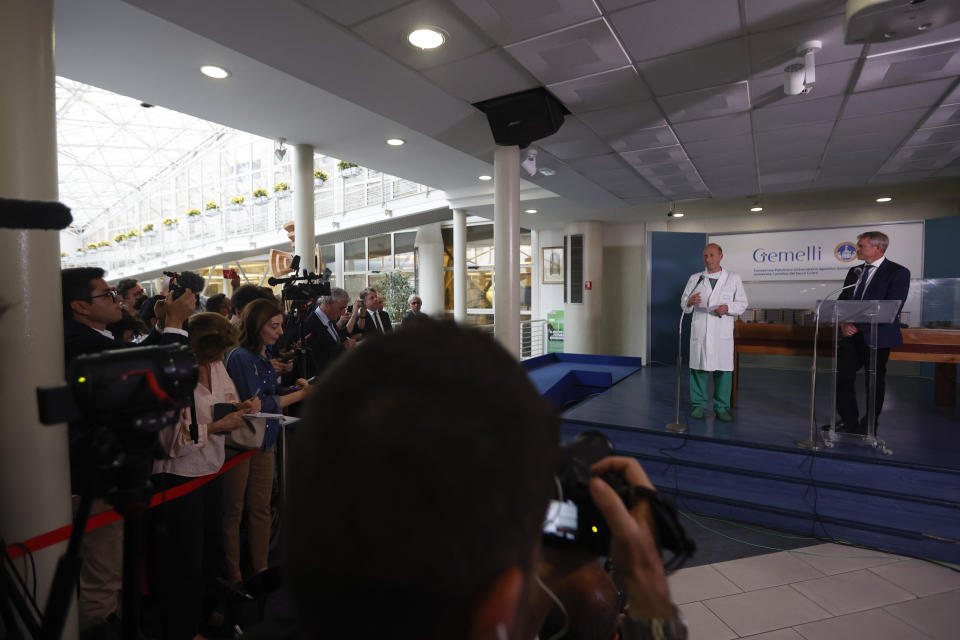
(89,305)
(187,531)
(411,498)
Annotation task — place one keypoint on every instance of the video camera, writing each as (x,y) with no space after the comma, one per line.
(309,286)
(180,282)
(574,519)
(130,388)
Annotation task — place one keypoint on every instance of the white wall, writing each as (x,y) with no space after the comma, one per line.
(624,326)
(551,295)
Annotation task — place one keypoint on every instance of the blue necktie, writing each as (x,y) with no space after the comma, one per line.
(859,291)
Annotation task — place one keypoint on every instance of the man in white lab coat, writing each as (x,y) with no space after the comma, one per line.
(714,296)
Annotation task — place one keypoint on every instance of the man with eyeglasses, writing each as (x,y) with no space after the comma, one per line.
(89,305)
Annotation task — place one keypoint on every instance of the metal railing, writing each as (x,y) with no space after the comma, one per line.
(214,227)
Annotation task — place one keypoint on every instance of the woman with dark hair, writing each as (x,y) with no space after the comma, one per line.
(186,532)
(249,483)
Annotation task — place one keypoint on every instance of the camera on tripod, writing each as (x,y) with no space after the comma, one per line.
(309,286)
(134,388)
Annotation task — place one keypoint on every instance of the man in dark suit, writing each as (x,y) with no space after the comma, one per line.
(89,305)
(877,279)
(323,340)
(382,321)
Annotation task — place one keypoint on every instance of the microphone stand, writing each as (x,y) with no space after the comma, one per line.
(676,426)
(811,441)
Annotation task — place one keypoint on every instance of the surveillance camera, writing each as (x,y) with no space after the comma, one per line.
(793,79)
(530,164)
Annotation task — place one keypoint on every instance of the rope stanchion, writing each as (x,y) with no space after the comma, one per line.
(106,517)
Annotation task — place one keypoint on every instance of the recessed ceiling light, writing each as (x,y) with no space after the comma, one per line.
(531,211)
(484,178)
(426,38)
(675,214)
(884,199)
(756,208)
(547,171)
(396,142)
(213,71)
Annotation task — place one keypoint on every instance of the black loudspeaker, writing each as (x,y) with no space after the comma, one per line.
(520,118)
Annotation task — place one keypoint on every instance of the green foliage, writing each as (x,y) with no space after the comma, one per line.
(395,287)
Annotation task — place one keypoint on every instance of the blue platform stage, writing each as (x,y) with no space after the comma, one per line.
(750,470)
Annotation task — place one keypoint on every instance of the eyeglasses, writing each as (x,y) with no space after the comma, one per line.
(109,292)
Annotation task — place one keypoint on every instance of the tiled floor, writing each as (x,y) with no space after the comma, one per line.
(822,592)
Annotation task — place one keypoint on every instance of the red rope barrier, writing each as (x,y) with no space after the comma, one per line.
(106,517)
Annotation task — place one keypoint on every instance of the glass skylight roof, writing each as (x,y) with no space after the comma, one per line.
(109,146)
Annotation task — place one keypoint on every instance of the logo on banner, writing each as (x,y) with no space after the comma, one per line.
(845,252)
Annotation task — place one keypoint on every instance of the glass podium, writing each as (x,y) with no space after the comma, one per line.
(837,312)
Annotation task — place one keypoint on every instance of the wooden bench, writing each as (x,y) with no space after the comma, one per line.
(940,346)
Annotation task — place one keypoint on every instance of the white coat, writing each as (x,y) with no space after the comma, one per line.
(711,336)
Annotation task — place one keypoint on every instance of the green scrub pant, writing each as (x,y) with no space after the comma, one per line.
(722,386)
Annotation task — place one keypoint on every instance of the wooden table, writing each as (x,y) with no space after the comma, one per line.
(940,346)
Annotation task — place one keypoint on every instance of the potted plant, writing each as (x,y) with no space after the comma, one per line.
(170,223)
(63,254)
(148,230)
(211,208)
(281,189)
(260,196)
(133,235)
(320,177)
(92,247)
(120,238)
(80,251)
(236,202)
(193,215)
(348,169)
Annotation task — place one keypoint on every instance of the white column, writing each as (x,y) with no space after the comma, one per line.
(34,463)
(429,245)
(535,278)
(460,265)
(582,322)
(304,234)
(506,247)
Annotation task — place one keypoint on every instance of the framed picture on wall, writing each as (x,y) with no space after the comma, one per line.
(552,265)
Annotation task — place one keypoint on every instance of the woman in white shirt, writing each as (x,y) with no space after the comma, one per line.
(187,530)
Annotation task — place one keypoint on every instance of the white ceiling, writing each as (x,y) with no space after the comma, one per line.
(670,99)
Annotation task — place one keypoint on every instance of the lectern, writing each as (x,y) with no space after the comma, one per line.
(872,313)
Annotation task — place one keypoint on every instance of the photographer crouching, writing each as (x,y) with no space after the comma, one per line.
(416,500)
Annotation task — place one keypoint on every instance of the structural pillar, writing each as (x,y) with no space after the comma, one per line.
(582,321)
(304,234)
(506,247)
(460,265)
(536,269)
(429,245)
(34,462)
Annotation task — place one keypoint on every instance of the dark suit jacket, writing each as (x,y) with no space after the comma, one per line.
(323,349)
(891,282)
(385,321)
(79,339)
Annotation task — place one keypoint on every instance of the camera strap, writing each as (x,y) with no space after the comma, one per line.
(670,533)
(194,429)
